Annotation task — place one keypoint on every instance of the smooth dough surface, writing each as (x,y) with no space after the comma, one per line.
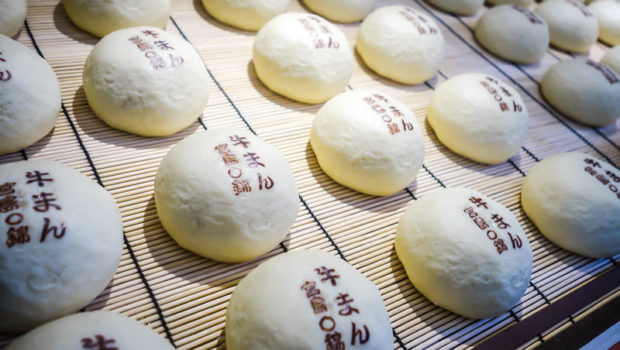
(459,7)
(305,300)
(345,11)
(61,244)
(91,330)
(612,59)
(522,3)
(401,43)
(145,81)
(479,117)
(572,26)
(464,252)
(583,90)
(225,194)
(368,141)
(607,13)
(29,96)
(12,16)
(513,33)
(303,57)
(574,200)
(245,14)
(100,17)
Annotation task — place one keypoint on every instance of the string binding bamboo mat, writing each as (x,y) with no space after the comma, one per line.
(184,297)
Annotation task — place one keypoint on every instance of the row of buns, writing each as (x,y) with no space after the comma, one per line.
(227,195)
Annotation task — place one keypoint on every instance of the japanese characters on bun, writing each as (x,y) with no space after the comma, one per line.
(303,57)
(583,90)
(479,117)
(345,11)
(245,14)
(401,43)
(12,16)
(513,33)
(305,300)
(225,194)
(91,330)
(64,237)
(572,26)
(100,17)
(368,141)
(145,81)
(574,200)
(464,252)
(29,96)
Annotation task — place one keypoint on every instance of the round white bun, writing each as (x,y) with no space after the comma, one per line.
(29,96)
(301,299)
(61,244)
(12,16)
(145,81)
(583,90)
(612,59)
(574,200)
(459,7)
(225,194)
(346,11)
(513,33)
(303,57)
(368,141)
(100,17)
(401,43)
(607,13)
(464,252)
(572,26)
(479,117)
(245,14)
(91,330)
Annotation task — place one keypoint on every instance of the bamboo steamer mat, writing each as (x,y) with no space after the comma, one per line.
(184,296)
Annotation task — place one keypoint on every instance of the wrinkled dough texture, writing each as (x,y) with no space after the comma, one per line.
(612,59)
(245,14)
(572,26)
(459,7)
(509,34)
(12,16)
(583,93)
(571,207)
(268,310)
(68,332)
(100,17)
(393,47)
(607,13)
(469,120)
(29,101)
(128,93)
(453,263)
(346,11)
(522,3)
(198,207)
(41,281)
(287,62)
(354,146)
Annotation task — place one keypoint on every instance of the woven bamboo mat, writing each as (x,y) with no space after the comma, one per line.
(184,296)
